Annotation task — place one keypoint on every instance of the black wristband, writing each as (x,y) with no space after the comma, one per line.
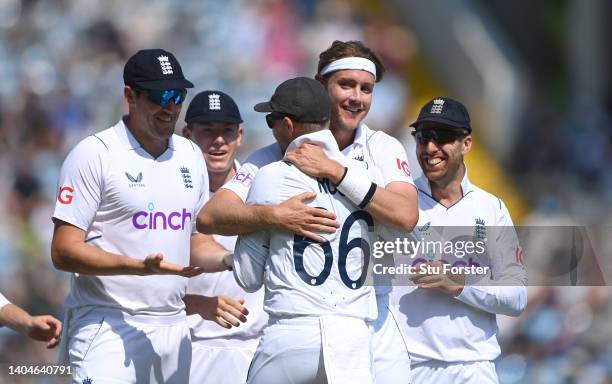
(343,176)
(368,197)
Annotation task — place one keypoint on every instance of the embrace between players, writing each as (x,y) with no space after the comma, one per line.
(137,207)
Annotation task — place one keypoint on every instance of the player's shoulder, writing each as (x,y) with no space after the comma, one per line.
(268,184)
(97,143)
(376,137)
(275,170)
(485,198)
(265,155)
(184,144)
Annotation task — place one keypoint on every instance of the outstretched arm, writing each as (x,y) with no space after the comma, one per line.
(70,253)
(226,214)
(42,328)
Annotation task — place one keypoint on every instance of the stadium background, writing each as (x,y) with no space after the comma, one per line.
(534,75)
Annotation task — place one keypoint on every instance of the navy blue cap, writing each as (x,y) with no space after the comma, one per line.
(303,98)
(212,107)
(444,110)
(154,69)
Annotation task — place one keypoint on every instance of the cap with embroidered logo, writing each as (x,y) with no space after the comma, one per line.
(154,69)
(213,106)
(444,110)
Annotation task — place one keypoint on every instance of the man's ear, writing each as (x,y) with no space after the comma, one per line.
(289,124)
(187,132)
(240,134)
(129,94)
(321,80)
(467,145)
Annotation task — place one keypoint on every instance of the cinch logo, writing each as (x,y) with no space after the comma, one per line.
(244,177)
(161,220)
(65,195)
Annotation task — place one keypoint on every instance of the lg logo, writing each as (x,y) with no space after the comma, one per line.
(65,195)
(403,166)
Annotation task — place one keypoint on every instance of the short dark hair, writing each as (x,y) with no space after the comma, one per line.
(341,49)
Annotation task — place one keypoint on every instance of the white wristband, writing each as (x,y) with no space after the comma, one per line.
(358,189)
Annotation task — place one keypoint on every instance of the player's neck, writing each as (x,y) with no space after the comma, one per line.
(155,147)
(217,179)
(344,137)
(448,191)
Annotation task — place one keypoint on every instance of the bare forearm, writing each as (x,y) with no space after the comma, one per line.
(208,254)
(15,318)
(234,218)
(394,210)
(87,259)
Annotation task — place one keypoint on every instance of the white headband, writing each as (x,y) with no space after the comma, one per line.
(350,63)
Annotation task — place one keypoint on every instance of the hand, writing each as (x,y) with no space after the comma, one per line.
(221,309)
(295,216)
(311,160)
(155,265)
(436,278)
(44,328)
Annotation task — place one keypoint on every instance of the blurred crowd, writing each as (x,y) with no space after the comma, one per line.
(61,73)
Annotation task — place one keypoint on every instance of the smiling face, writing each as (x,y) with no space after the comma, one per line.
(219,142)
(350,92)
(442,163)
(156,123)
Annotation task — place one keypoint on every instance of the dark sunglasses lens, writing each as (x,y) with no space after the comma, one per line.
(163,97)
(437,136)
(269,120)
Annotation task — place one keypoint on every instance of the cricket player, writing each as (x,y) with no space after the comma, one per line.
(315,293)
(349,71)
(222,347)
(449,319)
(42,328)
(124,226)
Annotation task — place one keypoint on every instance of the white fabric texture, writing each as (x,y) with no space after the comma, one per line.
(476,372)
(106,347)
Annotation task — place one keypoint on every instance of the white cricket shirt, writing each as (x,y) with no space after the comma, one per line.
(303,277)
(441,327)
(132,204)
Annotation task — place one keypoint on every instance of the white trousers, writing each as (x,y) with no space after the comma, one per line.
(434,372)
(391,358)
(214,363)
(103,346)
(313,350)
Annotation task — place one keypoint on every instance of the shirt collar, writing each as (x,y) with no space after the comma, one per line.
(324,138)
(361,134)
(128,140)
(423,184)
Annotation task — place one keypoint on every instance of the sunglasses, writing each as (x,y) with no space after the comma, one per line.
(164,96)
(438,136)
(270,117)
